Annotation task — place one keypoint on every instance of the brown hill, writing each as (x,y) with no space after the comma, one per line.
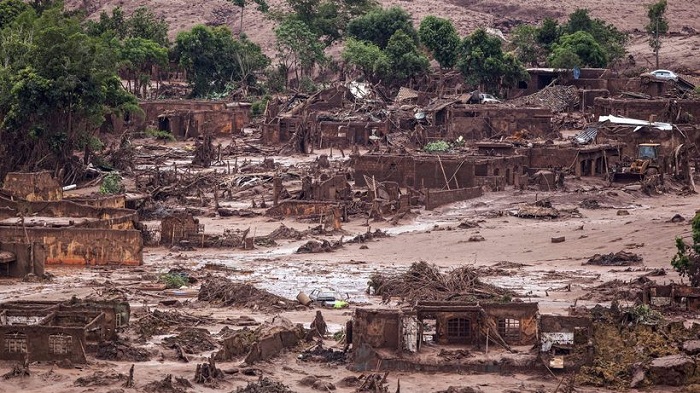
(678,52)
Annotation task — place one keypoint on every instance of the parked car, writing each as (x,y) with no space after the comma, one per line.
(489,99)
(661,75)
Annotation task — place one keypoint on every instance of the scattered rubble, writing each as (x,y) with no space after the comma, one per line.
(121,351)
(223,292)
(166,385)
(423,281)
(265,385)
(621,258)
(101,378)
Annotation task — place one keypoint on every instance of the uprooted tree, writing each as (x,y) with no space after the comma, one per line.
(687,259)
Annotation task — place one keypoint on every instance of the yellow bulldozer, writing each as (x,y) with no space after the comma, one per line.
(647,163)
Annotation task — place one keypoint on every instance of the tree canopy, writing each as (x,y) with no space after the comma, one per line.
(440,37)
(57,83)
(657,26)
(584,48)
(483,63)
(215,60)
(379,25)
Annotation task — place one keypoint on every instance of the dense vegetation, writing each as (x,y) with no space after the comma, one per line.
(63,77)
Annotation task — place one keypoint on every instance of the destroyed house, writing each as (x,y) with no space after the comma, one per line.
(415,338)
(339,116)
(482,121)
(672,296)
(441,171)
(32,186)
(65,232)
(193,118)
(560,336)
(53,331)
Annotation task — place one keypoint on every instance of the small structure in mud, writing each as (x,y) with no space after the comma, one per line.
(53,331)
(65,232)
(32,186)
(416,338)
(192,118)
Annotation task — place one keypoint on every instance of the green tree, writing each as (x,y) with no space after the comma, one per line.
(328,19)
(213,59)
(524,42)
(687,259)
(298,48)
(581,44)
(548,33)
(379,25)
(138,56)
(54,97)
(440,37)
(368,58)
(657,26)
(10,10)
(483,63)
(611,40)
(145,24)
(404,58)
(262,7)
(116,24)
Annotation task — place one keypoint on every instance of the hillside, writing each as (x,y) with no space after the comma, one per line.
(627,15)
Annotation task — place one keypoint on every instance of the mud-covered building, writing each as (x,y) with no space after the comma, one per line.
(53,331)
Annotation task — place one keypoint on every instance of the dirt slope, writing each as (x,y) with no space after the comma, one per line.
(627,15)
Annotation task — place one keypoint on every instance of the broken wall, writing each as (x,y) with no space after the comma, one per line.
(177,227)
(28,259)
(32,186)
(417,172)
(81,246)
(436,198)
(517,322)
(668,110)
(376,329)
(482,121)
(42,343)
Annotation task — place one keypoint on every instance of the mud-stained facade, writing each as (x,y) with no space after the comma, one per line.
(192,118)
(73,234)
(32,186)
(442,172)
(52,331)
(409,338)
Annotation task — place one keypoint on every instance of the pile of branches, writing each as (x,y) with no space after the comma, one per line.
(556,97)
(265,385)
(224,292)
(423,281)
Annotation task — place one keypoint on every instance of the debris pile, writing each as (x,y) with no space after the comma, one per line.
(101,378)
(224,292)
(191,341)
(265,385)
(622,258)
(315,246)
(160,322)
(121,351)
(626,343)
(375,383)
(208,374)
(423,281)
(537,210)
(323,355)
(557,98)
(168,386)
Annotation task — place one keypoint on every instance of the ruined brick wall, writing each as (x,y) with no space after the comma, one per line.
(417,172)
(108,201)
(34,186)
(294,208)
(333,189)
(471,335)
(42,343)
(476,122)
(108,217)
(177,227)
(674,110)
(82,246)
(376,328)
(438,198)
(517,322)
(29,259)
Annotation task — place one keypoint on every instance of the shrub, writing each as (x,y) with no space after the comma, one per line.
(160,135)
(437,146)
(111,184)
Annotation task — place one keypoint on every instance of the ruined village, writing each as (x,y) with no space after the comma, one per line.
(423,236)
